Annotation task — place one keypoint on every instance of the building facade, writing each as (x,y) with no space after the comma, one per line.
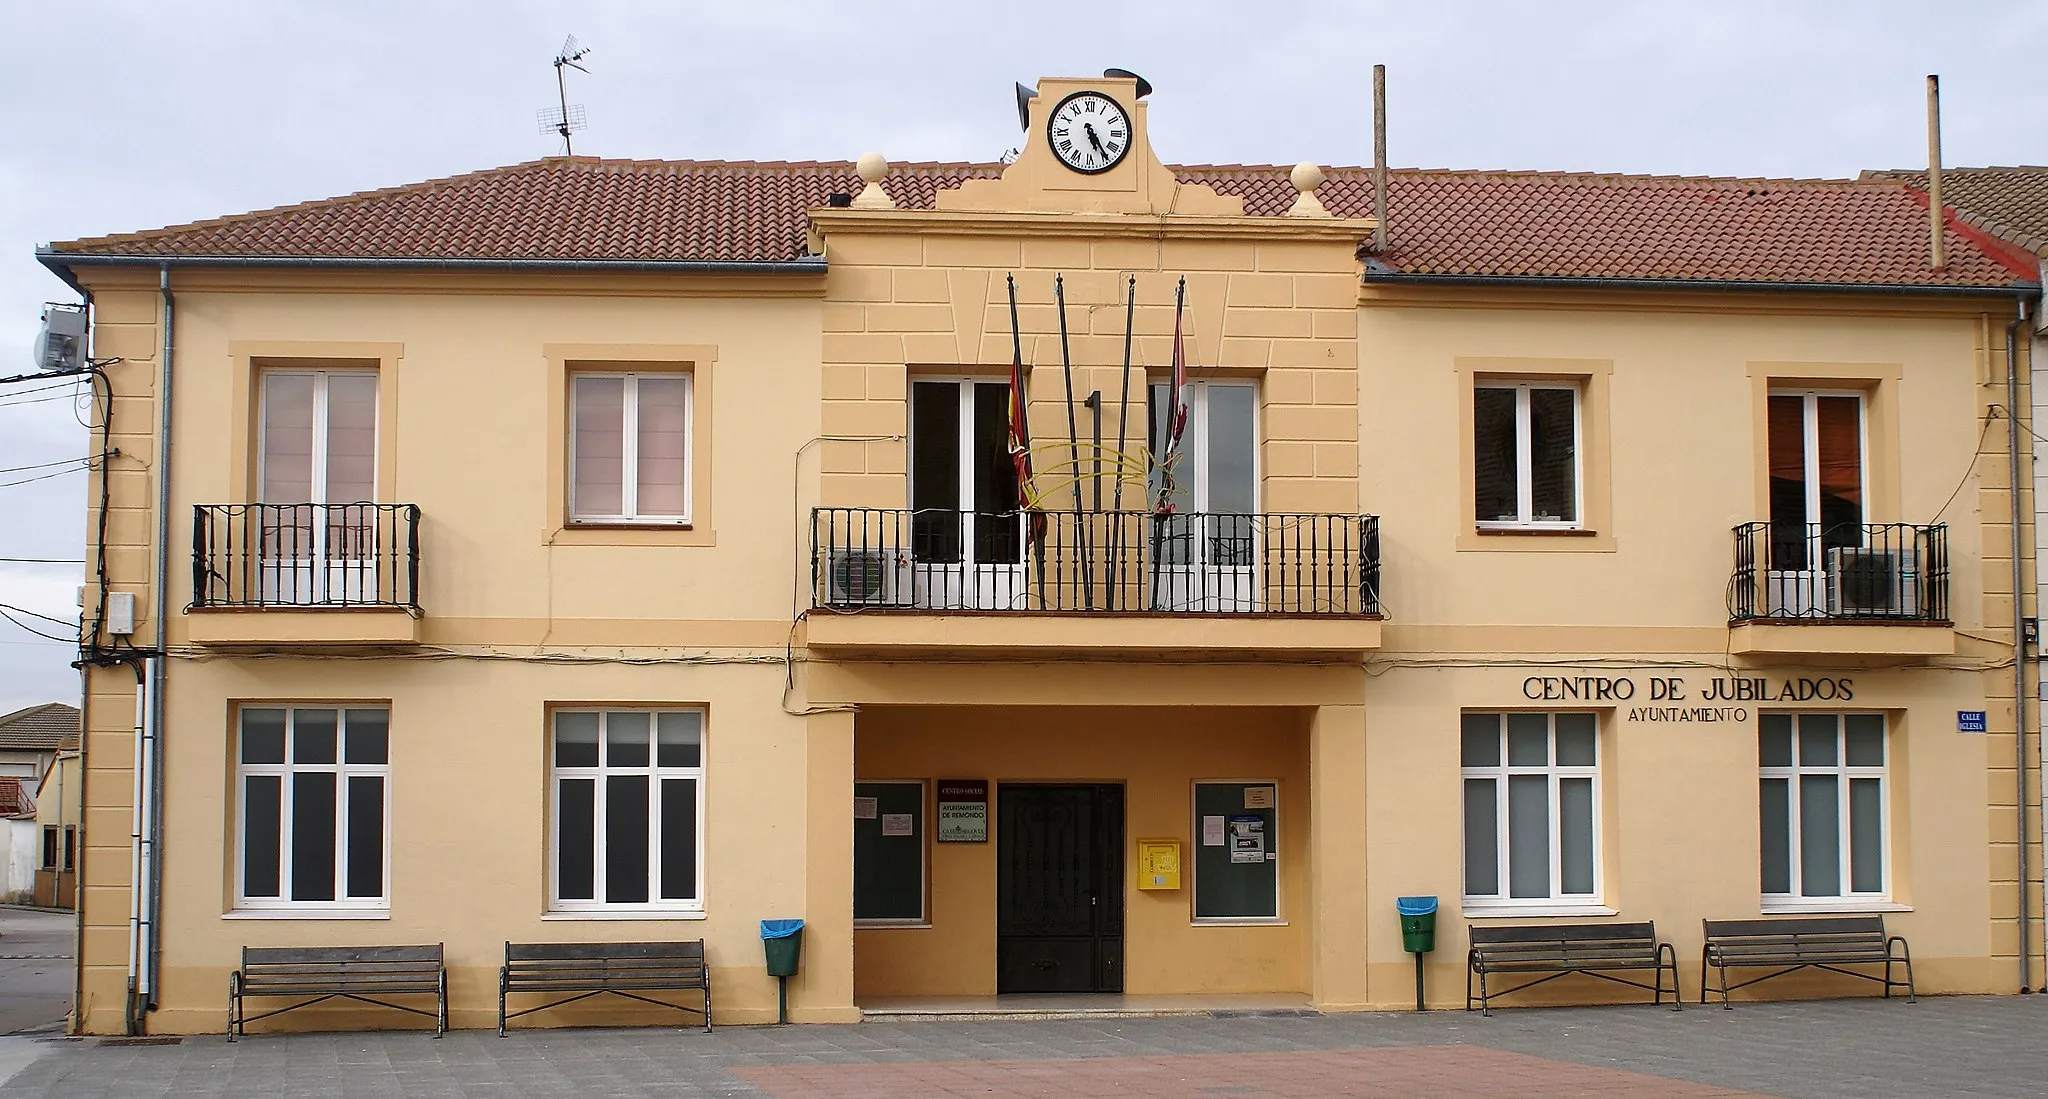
(602,550)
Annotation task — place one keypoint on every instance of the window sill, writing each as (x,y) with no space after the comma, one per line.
(1537,528)
(1537,539)
(1483,911)
(307,914)
(892,925)
(632,534)
(1843,906)
(643,914)
(1239,921)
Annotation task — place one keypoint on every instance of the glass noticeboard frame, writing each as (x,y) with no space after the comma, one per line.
(1236,860)
(889,852)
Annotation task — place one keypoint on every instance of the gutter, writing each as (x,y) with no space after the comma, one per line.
(61,263)
(1377,275)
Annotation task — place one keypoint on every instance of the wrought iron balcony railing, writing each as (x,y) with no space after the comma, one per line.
(306,555)
(1095,561)
(1815,572)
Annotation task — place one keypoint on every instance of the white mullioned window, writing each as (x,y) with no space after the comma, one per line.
(628,810)
(1823,808)
(1532,808)
(313,807)
(1526,469)
(630,448)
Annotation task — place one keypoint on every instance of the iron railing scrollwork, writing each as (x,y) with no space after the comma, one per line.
(306,555)
(1883,572)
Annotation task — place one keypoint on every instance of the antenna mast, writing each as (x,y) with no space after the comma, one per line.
(566,118)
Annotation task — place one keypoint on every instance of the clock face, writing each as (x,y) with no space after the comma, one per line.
(1089,132)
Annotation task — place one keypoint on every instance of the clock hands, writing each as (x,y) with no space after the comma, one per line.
(1089,129)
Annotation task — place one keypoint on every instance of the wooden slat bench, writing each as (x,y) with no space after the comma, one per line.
(369,974)
(578,971)
(1594,949)
(1790,944)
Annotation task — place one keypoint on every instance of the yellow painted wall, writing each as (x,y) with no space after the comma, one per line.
(1158,754)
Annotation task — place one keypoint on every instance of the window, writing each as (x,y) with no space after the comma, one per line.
(1237,872)
(1208,550)
(963,484)
(628,807)
(49,848)
(1823,807)
(1532,808)
(1526,455)
(311,796)
(629,448)
(888,852)
(1818,483)
(318,456)
(70,847)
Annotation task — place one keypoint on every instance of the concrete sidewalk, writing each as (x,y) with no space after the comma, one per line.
(1947,1047)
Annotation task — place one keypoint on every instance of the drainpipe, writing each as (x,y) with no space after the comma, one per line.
(146,954)
(2019,619)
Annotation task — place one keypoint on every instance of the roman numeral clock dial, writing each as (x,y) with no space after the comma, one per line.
(1089,132)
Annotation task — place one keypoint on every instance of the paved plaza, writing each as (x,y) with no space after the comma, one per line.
(1941,1047)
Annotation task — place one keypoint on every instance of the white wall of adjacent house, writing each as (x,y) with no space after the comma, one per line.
(22,840)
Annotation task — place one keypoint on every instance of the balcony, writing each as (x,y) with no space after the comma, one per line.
(1847,593)
(1104,583)
(305,576)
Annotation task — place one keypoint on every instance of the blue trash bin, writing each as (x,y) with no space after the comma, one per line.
(783,942)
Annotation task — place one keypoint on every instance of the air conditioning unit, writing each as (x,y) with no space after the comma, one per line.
(867,578)
(1873,583)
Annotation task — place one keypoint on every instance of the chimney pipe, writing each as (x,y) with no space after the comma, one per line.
(1938,248)
(1379,158)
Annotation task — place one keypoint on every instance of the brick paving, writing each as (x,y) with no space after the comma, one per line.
(1979,1046)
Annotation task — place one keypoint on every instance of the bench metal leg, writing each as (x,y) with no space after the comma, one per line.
(707,1001)
(441,1021)
(1906,957)
(1667,956)
(234,1002)
(504,979)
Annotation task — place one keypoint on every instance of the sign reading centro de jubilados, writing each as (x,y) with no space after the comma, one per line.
(1725,690)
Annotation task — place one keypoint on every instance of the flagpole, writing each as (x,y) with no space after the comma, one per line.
(1059,295)
(1021,437)
(1175,421)
(1123,419)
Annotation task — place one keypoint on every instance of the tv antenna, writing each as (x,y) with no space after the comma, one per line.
(569,117)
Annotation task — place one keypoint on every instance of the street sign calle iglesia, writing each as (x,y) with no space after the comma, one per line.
(1672,700)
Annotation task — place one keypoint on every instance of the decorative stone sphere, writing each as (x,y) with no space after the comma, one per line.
(871,166)
(1306,177)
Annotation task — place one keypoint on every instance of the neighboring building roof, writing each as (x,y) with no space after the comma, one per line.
(1442,223)
(15,801)
(49,727)
(2009,201)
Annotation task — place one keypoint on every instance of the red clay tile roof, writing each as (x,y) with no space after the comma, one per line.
(2010,202)
(43,728)
(1526,224)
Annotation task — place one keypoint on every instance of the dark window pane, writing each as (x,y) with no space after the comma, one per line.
(1774,740)
(1231,427)
(1482,838)
(1818,744)
(1786,456)
(996,540)
(1820,836)
(1493,460)
(49,848)
(1865,735)
(678,839)
(1528,740)
(1866,835)
(1841,469)
(680,740)
(625,839)
(1481,740)
(262,736)
(1577,740)
(935,471)
(576,838)
(262,826)
(1553,455)
(575,740)
(1528,836)
(365,836)
(625,739)
(1775,817)
(313,733)
(1575,835)
(369,736)
(313,836)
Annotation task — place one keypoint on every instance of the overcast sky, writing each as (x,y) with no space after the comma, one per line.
(134,115)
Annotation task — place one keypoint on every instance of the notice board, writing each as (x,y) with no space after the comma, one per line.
(888,851)
(1237,873)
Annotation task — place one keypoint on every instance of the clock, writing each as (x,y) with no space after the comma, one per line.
(1089,132)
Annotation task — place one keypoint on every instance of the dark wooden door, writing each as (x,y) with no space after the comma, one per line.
(1060,888)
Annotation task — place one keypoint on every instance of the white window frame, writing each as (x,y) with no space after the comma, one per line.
(1558,901)
(317,485)
(629,459)
(1846,900)
(342,772)
(1809,400)
(1525,453)
(596,905)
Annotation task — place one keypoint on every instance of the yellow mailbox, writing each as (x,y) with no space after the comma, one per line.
(1159,864)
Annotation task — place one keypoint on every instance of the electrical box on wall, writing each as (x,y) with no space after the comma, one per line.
(121,613)
(1159,864)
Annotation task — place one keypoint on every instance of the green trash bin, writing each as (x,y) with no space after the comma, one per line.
(783,942)
(1418,923)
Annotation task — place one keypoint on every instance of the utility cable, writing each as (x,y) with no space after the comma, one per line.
(5,613)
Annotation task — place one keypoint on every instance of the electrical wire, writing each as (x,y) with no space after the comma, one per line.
(47,476)
(42,560)
(33,614)
(47,465)
(5,613)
